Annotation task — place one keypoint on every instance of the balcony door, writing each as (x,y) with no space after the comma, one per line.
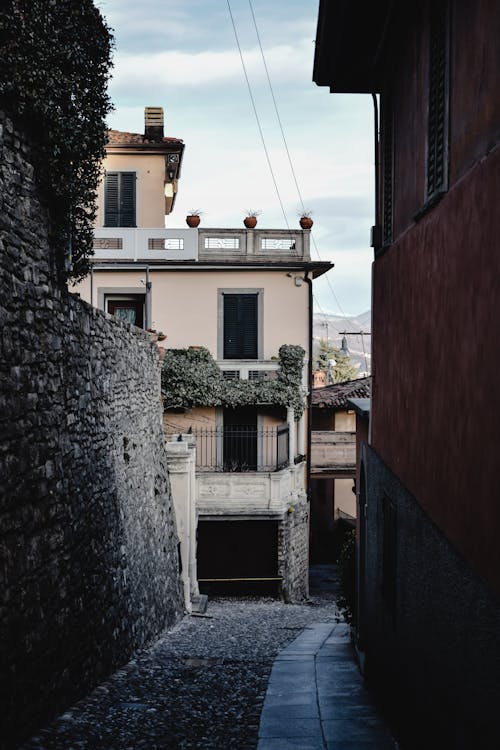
(240,439)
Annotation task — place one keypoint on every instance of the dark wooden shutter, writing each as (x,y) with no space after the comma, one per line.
(127,199)
(111,205)
(437,139)
(119,199)
(387,166)
(240,326)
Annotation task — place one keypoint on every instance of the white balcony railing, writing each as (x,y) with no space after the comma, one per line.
(130,244)
(249,493)
(237,245)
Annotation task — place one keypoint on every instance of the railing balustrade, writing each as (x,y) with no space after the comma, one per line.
(240,448)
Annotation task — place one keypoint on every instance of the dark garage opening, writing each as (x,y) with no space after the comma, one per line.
(238,558)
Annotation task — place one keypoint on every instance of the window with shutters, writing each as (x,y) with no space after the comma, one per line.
(240,323)
(437,137)
(119,199)
(240,326)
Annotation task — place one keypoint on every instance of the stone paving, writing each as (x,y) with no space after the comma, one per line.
(316,699)
(204,684)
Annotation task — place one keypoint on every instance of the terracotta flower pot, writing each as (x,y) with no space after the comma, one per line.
(192,220)
(305,222)
(250,222)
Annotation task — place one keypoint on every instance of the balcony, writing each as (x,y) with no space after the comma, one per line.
(207,245)
(249,494)
(245,472)
(333,453)
(130,244)
(253,245)
(240,449)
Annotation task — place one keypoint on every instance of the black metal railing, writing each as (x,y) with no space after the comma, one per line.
(240,448)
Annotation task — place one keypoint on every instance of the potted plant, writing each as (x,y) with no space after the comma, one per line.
(305,220)
(161,336)
(250,220)
(193,218)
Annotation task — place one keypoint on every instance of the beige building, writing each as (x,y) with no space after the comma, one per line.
(333,465)
(242,294)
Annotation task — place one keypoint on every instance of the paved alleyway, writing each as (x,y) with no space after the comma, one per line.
(203,684)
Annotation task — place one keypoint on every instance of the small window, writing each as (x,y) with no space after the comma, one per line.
(127,308)
(119,199)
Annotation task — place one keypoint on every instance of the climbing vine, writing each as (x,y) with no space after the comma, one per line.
(191,377)
(54,69)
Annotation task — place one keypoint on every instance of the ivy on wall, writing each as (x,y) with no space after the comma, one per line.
(54,69)
(191,377)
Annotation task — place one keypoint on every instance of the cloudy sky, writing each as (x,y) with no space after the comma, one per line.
(182,55)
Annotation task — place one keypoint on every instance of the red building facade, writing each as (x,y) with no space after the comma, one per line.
(430,572)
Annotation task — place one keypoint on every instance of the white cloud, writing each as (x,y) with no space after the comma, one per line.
(177,69)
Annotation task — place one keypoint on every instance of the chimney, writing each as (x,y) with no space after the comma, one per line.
(153,123)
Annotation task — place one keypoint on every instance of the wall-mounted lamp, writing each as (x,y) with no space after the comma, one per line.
(297,280)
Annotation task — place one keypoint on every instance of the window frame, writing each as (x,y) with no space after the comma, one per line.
(259,292)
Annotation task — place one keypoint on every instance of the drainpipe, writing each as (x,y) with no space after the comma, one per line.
(376,238)
(147,322)
(92,284)
(309,386)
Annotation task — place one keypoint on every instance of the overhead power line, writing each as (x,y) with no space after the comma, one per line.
(282,130)
(257,115)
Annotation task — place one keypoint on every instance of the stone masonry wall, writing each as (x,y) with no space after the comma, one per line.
(88,549)
(293,551)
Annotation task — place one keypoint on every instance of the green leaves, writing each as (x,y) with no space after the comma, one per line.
(54,71)
(191,377)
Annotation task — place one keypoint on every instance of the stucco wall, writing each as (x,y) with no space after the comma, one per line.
(88,550)
(150,199)
(185,304)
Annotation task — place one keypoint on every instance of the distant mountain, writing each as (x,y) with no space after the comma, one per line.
(331,326)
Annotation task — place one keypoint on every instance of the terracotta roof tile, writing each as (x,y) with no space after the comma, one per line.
(121,138)
(336,396)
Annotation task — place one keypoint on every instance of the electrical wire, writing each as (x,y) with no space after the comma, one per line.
(276,106)
(257,115)
(287,149)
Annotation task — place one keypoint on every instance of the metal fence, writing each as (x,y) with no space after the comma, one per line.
(240,448)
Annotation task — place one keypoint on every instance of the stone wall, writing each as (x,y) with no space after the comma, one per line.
(293,551)
(431,625)
(88,549)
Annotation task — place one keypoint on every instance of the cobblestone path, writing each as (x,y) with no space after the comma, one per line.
(201,685)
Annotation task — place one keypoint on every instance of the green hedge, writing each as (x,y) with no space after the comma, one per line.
(54,69)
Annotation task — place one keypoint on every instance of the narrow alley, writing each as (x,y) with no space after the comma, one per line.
(203,685)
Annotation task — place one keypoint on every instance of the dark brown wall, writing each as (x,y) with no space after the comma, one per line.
(437,361)
(475,66)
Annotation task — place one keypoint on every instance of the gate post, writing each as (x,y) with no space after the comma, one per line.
(290,418)
(181,461)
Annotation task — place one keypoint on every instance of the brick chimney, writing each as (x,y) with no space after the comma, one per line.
(153,123)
